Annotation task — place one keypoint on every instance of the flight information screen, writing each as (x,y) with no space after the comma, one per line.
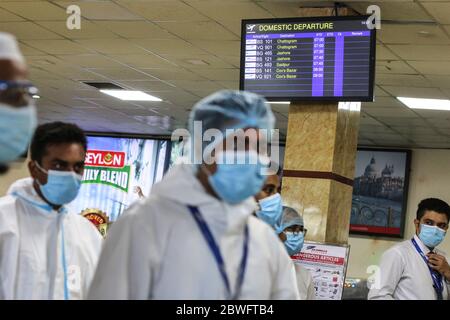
(330,58)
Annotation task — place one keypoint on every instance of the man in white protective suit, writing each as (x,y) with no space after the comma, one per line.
(47,252)
(195,236)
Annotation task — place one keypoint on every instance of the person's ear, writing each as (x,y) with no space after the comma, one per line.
(32,169)
(35,173)
(417,224)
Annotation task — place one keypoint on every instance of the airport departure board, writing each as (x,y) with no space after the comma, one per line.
(327,58)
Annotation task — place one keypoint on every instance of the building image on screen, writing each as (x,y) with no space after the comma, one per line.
(308,59)
(118,172)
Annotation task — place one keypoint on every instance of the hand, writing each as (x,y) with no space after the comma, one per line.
(138,190)
(439,263)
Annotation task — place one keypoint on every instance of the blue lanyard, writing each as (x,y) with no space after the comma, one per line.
(437,278)
(64,263)
(218,256)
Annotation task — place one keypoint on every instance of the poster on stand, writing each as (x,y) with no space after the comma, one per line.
(328,265)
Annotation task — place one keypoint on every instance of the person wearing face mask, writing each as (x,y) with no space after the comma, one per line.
(269,201)
(292,233)
(195,236)
(46,251)
(18,117)
(415,269)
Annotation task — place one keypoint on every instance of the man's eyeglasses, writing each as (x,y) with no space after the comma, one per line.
(297,229)
(13,87)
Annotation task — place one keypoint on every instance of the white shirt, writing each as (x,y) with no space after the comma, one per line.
(31,248)
(404,274)
(156,250)
(305,283)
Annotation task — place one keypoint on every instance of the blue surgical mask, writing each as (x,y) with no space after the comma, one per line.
(235,182)
(271,209)
(62,186)
(16,126)
(431,236)
(294,242)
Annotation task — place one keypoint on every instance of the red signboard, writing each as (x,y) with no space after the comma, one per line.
(101,158)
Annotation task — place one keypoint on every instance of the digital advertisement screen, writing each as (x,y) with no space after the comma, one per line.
(118,171)
(327,58)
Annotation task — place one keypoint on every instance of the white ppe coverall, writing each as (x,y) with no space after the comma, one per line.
(305,283)
(157,251)
(44,254)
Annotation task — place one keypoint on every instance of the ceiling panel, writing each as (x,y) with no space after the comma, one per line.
(166,46)
(6,16)
(219,74)
(422,52)
(394,67)
(173,74)
(413,80)
(163,10)
(101,10)
(136,29)
(197,61)
(53,47)
(27,30)
(229,13)
(439,10)
(431,67)
(412,34)
(35,10)
(395,10)
(199,30)
(111,46)
(122,73)
(148,60)
(417,92)
(88,30)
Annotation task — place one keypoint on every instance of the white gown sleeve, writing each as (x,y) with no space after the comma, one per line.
(285,280)
(124,270)
(9,249)
(390,272)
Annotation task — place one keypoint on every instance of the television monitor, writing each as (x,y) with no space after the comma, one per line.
(118,171)
(309,59)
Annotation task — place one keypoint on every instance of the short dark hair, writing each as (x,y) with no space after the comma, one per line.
(55,133)
(433,204)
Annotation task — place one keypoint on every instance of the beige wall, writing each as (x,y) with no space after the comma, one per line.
(430,177)
(16,171)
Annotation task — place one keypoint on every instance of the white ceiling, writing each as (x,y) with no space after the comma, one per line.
(149,45)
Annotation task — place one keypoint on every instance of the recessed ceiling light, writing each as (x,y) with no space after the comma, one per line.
(279,102)
(130,95)
(35,96)
(427,104)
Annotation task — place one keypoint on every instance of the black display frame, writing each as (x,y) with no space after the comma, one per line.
(408,156)
(369,98)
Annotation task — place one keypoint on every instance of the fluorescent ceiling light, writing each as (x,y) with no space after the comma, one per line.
(279,102)
(129,95)
(35,96)
(428,104)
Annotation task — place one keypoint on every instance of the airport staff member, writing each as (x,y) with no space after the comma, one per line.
(47,252)
(195,236)
(17,111)
(292,232)
(415,269)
